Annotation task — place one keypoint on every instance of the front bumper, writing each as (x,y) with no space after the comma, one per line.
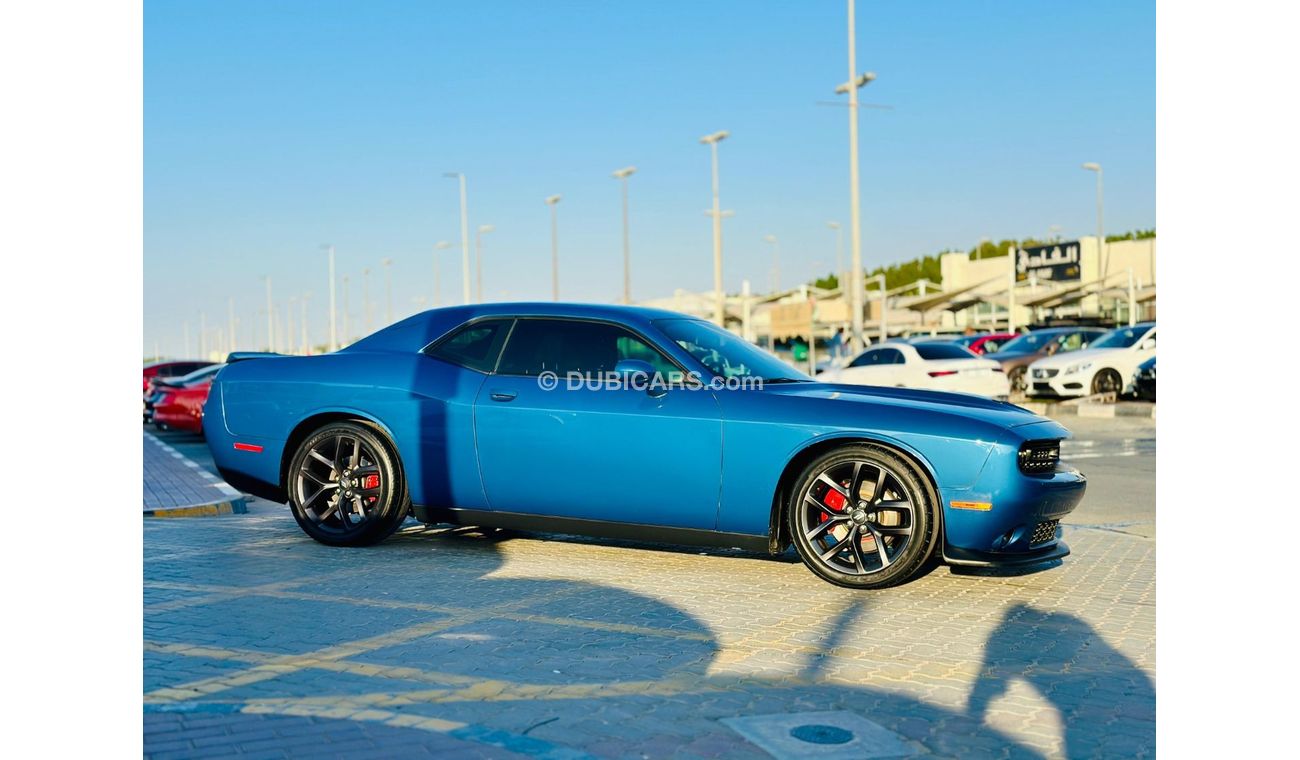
(1021,524)
(1058,386)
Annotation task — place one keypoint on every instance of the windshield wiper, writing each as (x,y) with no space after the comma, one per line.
(776,380)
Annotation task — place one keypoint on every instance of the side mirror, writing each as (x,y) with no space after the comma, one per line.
(1149,344)
(638,374)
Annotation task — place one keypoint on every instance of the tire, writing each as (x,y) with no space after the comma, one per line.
(337,462)
(1017,378)
(1107,381)
(903,528)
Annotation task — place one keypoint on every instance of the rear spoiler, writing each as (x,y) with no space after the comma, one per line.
(239,356)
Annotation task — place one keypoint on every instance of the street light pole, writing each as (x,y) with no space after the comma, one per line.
(553,201)
(719,316)
(441,245)
(483,229)
(1101,234)
(621,175)
(230,320)
(464,236)
(387,264)
(851,87)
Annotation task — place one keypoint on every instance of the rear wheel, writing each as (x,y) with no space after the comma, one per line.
(346,486)
(861,517)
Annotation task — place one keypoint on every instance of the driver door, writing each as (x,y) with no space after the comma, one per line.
(589,451)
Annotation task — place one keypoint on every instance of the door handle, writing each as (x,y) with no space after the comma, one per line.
(504,395)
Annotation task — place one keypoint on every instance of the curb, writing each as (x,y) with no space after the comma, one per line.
(232,501)
(1099,411)
(235,507)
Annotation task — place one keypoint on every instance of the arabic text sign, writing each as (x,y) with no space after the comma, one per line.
(1057,262)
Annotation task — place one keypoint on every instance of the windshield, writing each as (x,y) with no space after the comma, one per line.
(725,354)
(937,351)
(1121,337)
(1030,342)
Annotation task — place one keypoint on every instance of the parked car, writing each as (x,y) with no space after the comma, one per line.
(464,415)
(933,365)
(1143,384)
(1100,368)
(170,368)
(1015,356)
(171,402)
(985,343)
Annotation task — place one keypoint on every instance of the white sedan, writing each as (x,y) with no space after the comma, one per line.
(1102,367)
(936,366)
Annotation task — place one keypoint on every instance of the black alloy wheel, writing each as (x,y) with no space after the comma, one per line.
(345,487)
(860,517)
(1107,381)
(1017,378)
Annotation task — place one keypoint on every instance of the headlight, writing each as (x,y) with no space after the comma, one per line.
(1076,368)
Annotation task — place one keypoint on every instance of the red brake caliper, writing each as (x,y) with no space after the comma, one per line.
(835,500)
(369,482)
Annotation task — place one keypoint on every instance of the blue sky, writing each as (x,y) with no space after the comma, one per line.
(273,127)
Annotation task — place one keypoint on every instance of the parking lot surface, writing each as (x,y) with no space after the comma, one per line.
(260,642)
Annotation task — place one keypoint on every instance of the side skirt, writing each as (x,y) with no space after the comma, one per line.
(655,534)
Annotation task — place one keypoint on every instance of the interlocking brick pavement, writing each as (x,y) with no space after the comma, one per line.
(175,486)
(452,641)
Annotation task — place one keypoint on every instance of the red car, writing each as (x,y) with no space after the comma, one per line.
(178,403)
(170,369)
(986,343)
(181,408)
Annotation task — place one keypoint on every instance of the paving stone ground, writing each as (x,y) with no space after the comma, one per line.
(173,481)
(261,643)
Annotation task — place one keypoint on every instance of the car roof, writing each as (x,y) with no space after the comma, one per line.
(417,331)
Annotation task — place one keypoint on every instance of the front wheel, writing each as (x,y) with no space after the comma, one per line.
(346,486)
(1017,378)
(1107,381)
(860,517)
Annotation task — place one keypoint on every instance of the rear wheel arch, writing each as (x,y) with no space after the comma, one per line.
(315,422)
(777,534)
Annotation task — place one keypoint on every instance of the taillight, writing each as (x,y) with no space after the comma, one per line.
(942,372)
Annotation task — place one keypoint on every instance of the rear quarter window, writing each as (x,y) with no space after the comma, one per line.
(475,346)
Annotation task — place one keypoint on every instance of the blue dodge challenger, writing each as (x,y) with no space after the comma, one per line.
(637,423)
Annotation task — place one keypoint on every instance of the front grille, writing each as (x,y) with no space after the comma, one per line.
(1039,456)
(1045,373)
(1043,532)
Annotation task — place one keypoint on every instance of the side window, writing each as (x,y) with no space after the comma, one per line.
(475,345)
(867,359)
(632,347)
(891,356)
(1071,342)
(563,346)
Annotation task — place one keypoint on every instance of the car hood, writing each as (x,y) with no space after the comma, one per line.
(987,409)
(1073,357)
